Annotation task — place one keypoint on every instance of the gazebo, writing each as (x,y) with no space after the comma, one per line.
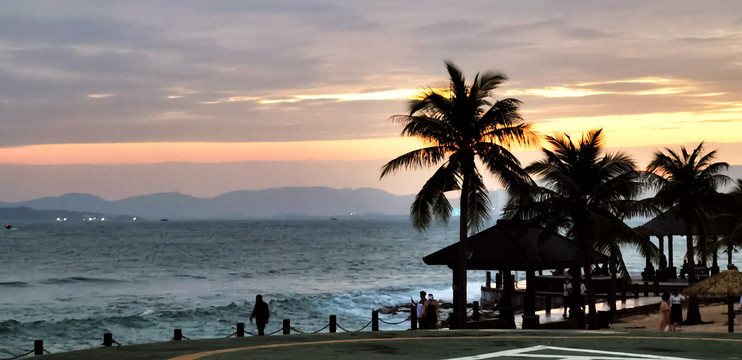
(512,245)
(667,225)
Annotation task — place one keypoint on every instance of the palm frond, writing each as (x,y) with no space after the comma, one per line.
(416,159)
(431,200)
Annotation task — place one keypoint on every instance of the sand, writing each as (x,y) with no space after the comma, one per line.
(717,313)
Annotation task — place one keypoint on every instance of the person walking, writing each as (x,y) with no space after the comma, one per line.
(676,308)
(665,322)
(431,312)
(261,314)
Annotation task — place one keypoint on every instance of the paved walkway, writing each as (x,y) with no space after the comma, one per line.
(437,344)
(653,302)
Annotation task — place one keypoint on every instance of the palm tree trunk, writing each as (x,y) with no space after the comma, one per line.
(592,318)
(694,313)
(612,287)
(459,290)
(730,250)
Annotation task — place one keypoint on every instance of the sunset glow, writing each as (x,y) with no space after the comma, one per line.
(202,152)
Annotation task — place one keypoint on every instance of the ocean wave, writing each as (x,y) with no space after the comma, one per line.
(78,280)
(189,276)
(13,283)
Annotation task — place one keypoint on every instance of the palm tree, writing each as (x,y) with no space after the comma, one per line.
(687,180)
(728,224)
(586,195)
(459,126)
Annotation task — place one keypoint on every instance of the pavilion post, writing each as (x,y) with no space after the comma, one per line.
(662,265)
(672,270)
(530,319)
(506,303)
(669,251)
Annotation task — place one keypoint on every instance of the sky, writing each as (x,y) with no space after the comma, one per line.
(126,98)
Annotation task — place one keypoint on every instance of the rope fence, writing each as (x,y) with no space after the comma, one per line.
(286,329)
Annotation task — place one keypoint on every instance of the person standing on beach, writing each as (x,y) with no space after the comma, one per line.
(676,308)
(431,312)
(665,323)
(420,311)
(261,314)
(566,293)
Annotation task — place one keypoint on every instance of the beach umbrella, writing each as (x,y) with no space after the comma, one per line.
(726,283)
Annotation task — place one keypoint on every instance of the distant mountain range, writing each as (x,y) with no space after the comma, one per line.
(269,203)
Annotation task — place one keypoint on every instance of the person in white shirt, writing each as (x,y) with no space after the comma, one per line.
(566,293)
(676,307)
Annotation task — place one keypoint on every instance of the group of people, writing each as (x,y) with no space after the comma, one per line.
(671,311)
(427,311)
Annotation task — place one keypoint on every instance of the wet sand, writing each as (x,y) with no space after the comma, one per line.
(717,313)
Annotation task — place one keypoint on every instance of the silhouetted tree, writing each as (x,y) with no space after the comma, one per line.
(586,194)
(461,125)
(688,180)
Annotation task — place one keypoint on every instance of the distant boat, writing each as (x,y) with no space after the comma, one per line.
(8,226)
(333,218)
(163,219)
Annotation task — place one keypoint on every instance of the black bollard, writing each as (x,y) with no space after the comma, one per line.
(413,317)
(240,330)
(498,280)
(107,340)
(636,290)
(489,280)
(656,288)
(38,347)
(475,310)
(547,304)
(646,289)
(333,324)
(286,326)
(374,320)
(178,334)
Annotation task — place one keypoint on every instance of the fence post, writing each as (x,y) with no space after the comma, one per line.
(240,329)
(413,317)
(333,323)
(38,347)
(489,280)
(374,320)
(286,326)
(547,304)
(475,310)
(646,289)
(107,339)
(178,334)
(656,288)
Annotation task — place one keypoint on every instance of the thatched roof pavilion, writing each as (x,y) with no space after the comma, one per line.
(512,245)
(664,225)
(727,283)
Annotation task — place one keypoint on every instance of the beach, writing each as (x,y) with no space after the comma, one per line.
(715,313)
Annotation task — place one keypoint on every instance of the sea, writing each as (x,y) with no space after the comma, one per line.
(69,283)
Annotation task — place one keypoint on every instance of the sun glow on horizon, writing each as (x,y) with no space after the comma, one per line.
(207,152)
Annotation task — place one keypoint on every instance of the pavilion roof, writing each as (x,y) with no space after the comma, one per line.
(667,223)
(512,245)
